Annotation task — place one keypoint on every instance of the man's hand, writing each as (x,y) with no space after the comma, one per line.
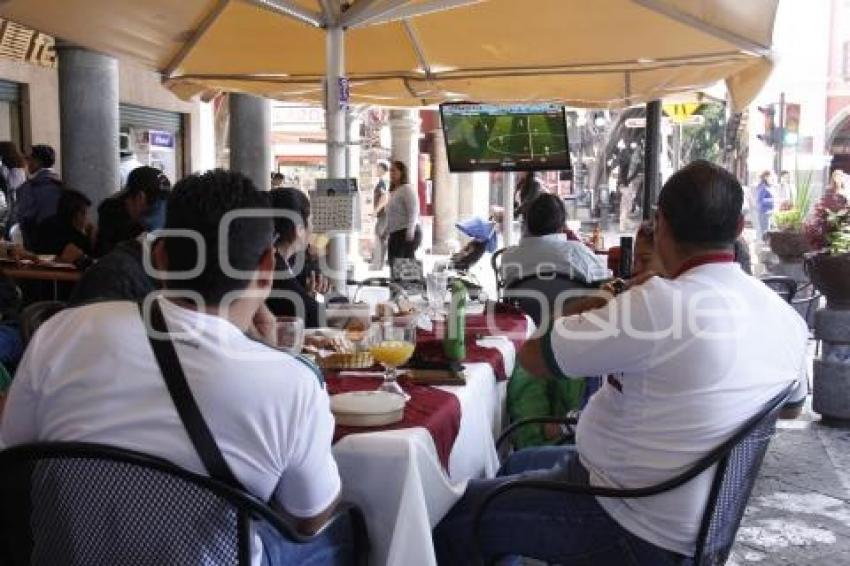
(318,284)
(264,326)
(70,254)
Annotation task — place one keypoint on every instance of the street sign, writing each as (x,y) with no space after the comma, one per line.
(636,122)
(694,120)
(679,113)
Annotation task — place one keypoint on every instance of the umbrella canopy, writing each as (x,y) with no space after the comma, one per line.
(419,52)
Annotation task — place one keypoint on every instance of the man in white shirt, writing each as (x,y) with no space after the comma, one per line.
(90,375)
(544,247)
(691,358)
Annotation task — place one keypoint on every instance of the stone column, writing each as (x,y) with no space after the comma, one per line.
(250,138)
(404,125)
(445,193)
(89,123)
(474,194)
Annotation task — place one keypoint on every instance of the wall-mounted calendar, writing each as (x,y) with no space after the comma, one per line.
(335,205)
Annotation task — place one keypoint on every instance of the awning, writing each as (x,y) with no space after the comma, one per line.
(589,53)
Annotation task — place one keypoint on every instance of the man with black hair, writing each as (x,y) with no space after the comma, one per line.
(690,359)
(121,216)
(38,198)
(268,412)
(294,295)
(545,247)
(67,234)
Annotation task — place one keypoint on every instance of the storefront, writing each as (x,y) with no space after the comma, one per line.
(153,137)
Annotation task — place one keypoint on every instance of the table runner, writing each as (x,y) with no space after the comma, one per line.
(433,409)
(498,319)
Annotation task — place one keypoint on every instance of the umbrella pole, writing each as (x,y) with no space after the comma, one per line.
(652,158)
(335,111)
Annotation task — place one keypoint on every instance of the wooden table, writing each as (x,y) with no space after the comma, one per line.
(40,272)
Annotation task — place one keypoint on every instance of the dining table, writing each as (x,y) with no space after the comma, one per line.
(403,481)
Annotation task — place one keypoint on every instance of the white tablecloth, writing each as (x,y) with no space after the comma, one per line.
(396,477)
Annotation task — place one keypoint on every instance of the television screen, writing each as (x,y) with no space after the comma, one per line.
(496,137)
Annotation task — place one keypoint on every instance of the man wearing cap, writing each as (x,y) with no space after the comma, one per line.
(38,198)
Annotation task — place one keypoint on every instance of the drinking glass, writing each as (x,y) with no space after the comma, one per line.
(436,285)
(290,334)
(392,345)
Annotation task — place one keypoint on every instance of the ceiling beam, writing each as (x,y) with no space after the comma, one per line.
(291,10)
(741,42)
(196,36)
(376,10)
(405,10)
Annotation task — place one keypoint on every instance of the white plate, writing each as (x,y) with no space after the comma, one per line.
(367,408)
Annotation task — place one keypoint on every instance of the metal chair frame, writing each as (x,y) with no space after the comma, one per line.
(718,456)
(247,506)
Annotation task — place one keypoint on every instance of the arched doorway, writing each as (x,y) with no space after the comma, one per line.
(839,147)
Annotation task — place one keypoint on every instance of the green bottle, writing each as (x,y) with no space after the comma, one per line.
(454,342)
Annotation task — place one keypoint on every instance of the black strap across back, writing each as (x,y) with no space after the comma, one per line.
(181,394)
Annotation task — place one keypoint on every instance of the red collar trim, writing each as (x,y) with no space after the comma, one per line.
(699,260)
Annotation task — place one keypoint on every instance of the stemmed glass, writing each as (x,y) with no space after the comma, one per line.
(392,345)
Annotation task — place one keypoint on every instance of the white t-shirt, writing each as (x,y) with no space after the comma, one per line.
(552,253)
(89,375)
(724,345)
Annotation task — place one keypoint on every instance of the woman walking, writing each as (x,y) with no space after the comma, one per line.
(402,216)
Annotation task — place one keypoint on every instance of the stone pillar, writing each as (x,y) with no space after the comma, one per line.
(831,379)
(474,193)
(445,193)
(404,125)
(89,123)
(250,138)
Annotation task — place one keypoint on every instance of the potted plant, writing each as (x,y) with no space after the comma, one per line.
(828,231)
(788,240)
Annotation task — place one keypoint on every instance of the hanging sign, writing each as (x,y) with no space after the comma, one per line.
(344,93)
(680,113)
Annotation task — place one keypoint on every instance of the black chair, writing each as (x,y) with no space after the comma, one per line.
(738,461)
(496,265)
(85,504)
(541,294)
(36,314)
(785,287)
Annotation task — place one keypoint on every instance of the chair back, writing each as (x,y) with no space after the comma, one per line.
(35,315)
(81,504)
(539,295)
(733,482)
(785,287)
(496,265)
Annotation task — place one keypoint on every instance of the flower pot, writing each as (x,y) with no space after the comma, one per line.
(830,274)
(789,246)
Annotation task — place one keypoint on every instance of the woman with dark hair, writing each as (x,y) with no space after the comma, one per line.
(67,234)
(526,190)
(293,232)
(405,235)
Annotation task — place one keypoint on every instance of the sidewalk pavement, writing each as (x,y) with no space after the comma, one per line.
(799,511)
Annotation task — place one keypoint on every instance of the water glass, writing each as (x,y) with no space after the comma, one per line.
(436,285)
(290,334)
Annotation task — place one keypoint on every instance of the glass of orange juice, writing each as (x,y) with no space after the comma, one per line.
(392,345)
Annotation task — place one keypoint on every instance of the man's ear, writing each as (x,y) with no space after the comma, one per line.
(159,255)
(739,227)
(265,269)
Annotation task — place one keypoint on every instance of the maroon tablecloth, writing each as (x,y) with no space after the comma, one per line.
(497,320)
(428,407)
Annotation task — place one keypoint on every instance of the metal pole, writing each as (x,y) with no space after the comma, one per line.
(780,142)
(335,111)
(652,157)
(508,204)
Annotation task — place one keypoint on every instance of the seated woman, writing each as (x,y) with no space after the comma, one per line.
(67,234)
(290,296)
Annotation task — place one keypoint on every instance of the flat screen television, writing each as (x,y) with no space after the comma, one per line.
(505,137)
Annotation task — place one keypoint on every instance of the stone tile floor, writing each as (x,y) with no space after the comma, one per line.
(799,512)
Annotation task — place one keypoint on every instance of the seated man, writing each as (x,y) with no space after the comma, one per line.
(293,295)
(545,247)
(691,359)
(267,411)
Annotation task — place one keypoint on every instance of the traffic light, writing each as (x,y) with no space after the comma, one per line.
(792,124)
(770,134)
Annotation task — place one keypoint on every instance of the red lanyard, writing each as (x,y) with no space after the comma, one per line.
(724,257)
